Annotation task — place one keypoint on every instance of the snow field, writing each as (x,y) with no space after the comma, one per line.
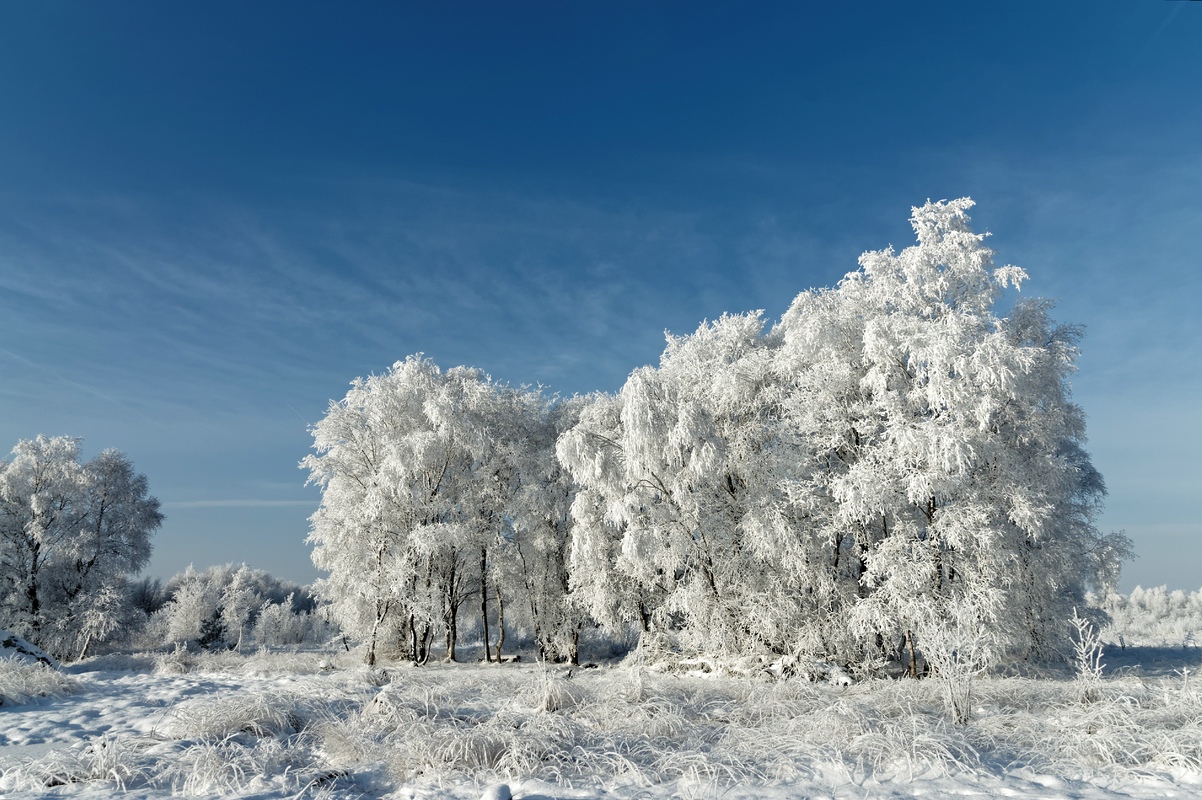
(276,725)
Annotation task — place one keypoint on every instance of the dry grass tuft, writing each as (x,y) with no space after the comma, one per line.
(22,682)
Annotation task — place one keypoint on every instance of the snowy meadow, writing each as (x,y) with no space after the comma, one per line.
(278,724)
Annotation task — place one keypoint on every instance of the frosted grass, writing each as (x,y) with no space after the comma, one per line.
(24,682)
(295,725)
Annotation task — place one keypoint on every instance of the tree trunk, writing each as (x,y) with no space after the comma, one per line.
(421,641)
(371,644)
(484,600)
(500,623)
(452,612)
(31,591)
(913,658)
(381,612)
(452,633)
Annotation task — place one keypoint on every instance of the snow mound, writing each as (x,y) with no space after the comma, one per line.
(17,648)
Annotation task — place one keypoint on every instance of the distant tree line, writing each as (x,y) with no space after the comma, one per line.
(72,536)
(892,470)
(227,607)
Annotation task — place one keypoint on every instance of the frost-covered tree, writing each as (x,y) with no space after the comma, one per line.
(288,622)
(103,615)
(440,488)
(238,601)
(952,457)
(682,469)
(216,607)
(415,480)
(69,535)
(193,614)
(891,459)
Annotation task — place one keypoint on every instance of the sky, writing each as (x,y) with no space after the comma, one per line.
(214,216)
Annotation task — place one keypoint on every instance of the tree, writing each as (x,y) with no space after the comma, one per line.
(238,601)
(193,614)
(956,472)
(891,459)
(414,484)
(439,488)
(69,535)
(216,607)
(682,465)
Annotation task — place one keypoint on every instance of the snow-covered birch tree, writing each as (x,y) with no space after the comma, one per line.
(533,559)
(418,469)
(70,533)
(962,482)
(681,502)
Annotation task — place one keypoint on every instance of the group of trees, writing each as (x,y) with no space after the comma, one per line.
(1153,617)
(70,535)
(228,606)
(890,468)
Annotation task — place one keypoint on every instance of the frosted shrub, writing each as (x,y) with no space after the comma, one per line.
(177,661)
(22,682)
(279,625)
(257,714)
(958,649)
(230,766)
(218,608)
(105,760)
(193,611)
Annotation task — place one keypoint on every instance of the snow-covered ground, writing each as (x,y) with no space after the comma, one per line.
(280,725)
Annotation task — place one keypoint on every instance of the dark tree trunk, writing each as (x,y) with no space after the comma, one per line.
(31,590)
(913,657)
(452,612)
(644,617)
(484,600)
(500,623)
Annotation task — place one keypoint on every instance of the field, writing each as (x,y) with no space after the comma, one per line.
(295,725)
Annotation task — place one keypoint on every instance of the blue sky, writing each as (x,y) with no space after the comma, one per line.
(213,216)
